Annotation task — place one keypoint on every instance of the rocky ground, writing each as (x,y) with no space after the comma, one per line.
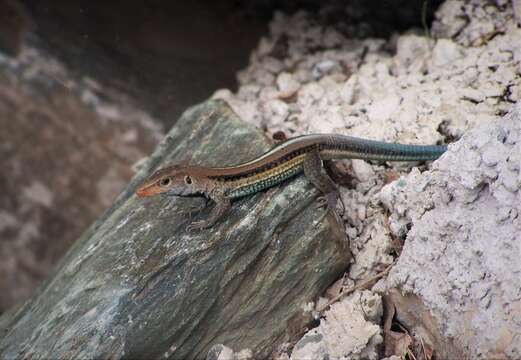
(435,270)
(458,224)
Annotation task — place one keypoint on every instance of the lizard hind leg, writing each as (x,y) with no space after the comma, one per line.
(314,172)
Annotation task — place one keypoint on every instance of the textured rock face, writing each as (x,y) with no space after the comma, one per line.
(66,152)
(308,76)
(461,256)
(327,81)
(137,285)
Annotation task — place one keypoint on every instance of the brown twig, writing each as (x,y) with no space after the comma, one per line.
(362,285)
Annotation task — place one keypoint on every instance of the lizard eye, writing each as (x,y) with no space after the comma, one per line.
(164,182)
(188,180)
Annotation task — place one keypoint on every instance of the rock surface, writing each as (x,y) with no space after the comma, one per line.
(113,74)
(221,352)
(312,75)
(409,89)
(137,285)
(348,331)
(461,256)
(402,89)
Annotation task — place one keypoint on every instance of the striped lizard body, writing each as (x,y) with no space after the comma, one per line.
(288,159)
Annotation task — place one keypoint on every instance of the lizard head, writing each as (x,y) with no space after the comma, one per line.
(174,180)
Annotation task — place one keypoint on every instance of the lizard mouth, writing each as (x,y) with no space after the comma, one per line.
(149,190)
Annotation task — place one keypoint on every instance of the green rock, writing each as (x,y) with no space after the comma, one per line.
(137,285)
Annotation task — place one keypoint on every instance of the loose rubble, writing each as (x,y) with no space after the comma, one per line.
(310,77)
(349,331)
(222,352)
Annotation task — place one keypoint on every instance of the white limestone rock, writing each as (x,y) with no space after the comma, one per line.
(461,256)
(349,331)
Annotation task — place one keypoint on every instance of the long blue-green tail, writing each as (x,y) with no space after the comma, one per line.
(357,148)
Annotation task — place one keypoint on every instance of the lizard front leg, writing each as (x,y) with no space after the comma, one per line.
(197,209)
(322,181)
(222,205)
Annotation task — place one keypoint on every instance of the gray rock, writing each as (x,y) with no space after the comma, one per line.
(220,352)
(137,285)
(516,5)
(349,331)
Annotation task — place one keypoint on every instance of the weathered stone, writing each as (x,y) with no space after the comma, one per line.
(137,285)
(459,273)
(348,331)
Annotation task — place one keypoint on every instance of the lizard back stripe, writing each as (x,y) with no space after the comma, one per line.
(270,160)
(331,146)
(268,178)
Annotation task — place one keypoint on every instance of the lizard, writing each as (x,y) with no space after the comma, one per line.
(302,154)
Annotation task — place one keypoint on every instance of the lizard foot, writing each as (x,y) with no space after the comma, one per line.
(329,202)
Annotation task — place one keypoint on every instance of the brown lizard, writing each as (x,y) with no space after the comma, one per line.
(300,154)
